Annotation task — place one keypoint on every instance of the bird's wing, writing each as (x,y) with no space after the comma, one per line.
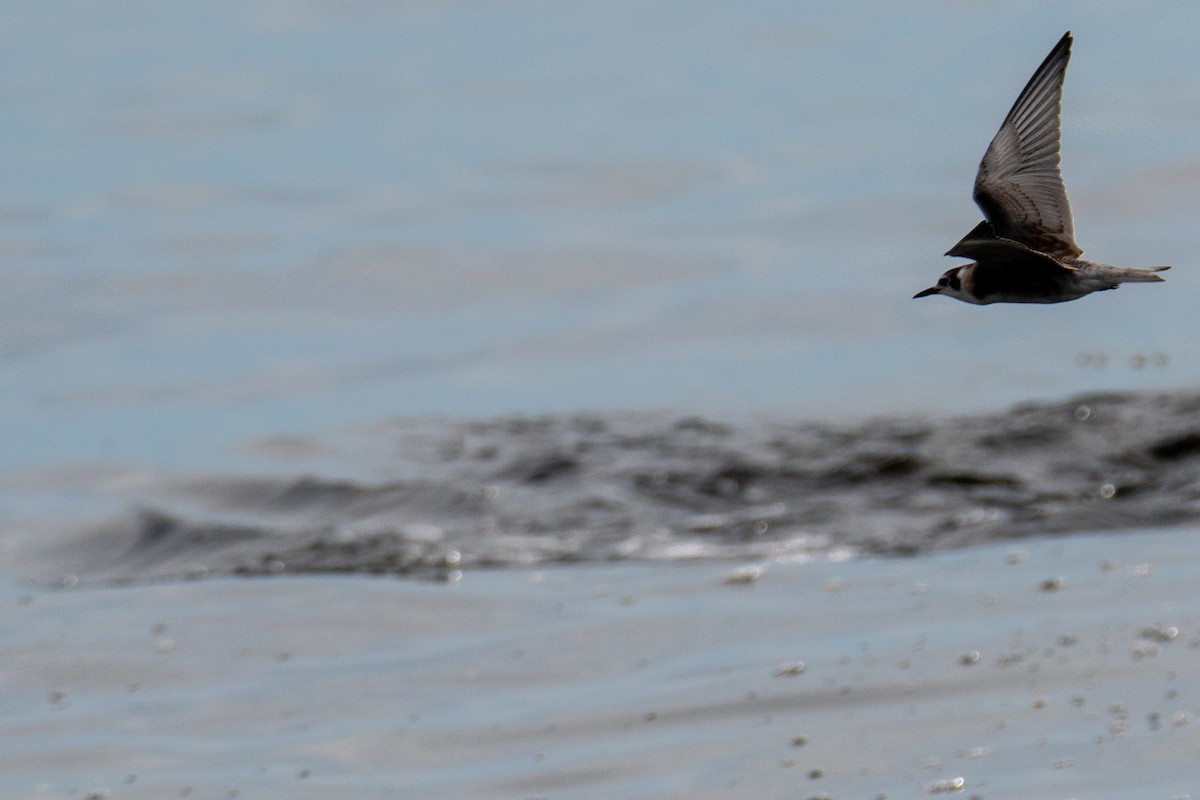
(980,233)
(1019,185)
(983,244)
(1020,263)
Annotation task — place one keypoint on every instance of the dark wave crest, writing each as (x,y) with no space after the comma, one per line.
(598,487)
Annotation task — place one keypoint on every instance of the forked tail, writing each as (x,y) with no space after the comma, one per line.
(1137,274)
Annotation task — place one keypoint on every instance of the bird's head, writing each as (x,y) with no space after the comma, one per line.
(949,284)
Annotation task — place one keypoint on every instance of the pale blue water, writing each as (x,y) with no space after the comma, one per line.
(232,220)
(223,222)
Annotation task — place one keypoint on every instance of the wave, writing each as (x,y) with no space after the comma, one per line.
(525,491)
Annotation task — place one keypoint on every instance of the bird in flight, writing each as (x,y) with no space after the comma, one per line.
(1025,250)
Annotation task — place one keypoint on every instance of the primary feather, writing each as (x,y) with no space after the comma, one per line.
(1019,185)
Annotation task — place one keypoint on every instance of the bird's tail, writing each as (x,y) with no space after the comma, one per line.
(1135,274)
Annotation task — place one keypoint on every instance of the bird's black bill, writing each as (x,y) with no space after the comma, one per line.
(926,292)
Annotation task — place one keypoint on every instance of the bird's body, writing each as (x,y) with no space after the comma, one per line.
(1025,250)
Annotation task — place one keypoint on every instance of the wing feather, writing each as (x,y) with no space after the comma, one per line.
(997,254)
(1019,185)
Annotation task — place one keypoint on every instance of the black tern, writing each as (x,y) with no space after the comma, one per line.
(1025,250)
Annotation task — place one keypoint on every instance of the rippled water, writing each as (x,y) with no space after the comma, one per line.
(240,221)
(421,288)
(602,487)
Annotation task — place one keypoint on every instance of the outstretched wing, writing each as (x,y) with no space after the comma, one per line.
(983,244)
(1023,264)
(1019,185)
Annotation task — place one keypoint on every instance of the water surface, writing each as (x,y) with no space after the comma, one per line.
(248,219)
